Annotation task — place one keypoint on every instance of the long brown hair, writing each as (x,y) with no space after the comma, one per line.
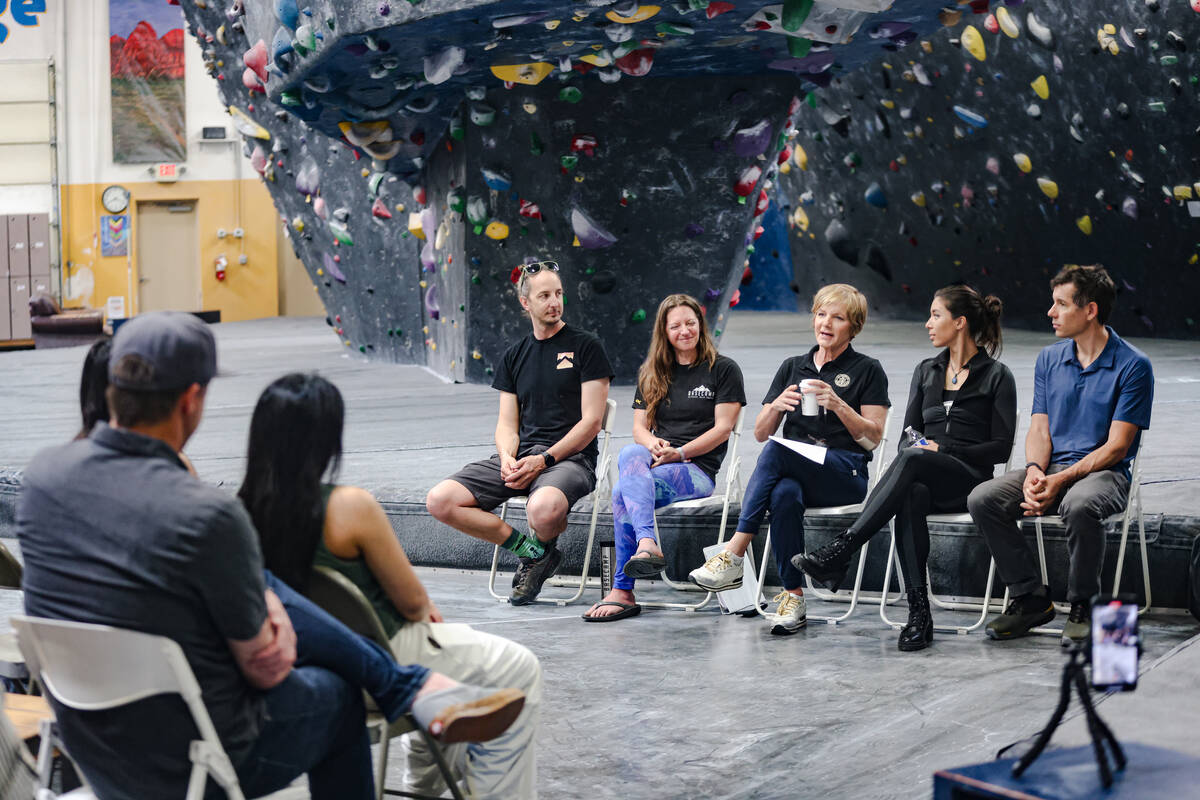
(654,376)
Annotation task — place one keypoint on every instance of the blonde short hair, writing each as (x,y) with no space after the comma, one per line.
(852,301)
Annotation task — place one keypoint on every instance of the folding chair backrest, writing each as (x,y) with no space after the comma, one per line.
(337,594)
(881,449)
(92,667)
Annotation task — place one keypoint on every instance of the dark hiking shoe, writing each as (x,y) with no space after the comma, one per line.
(1079,625)
(531,574)
(1023,614)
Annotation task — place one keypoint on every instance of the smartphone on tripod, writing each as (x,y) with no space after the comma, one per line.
(1116,643)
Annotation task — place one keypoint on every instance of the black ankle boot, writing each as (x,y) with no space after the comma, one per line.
(828,564)
(918,633)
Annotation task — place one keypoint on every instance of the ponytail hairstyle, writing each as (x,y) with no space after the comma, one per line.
(654,376)
(93,405)
(982,314)
(295,440)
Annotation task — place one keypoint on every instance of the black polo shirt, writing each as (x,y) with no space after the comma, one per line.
(547,376)
(115,531)
(859,380)
(690,408)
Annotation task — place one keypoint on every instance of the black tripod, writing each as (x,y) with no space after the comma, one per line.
(1073,676)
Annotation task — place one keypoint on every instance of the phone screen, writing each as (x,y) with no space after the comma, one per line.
(1115,645)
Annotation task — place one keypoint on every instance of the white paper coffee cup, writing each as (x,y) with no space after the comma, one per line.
(808,404)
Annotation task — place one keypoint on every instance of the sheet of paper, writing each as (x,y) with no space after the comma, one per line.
(813,452)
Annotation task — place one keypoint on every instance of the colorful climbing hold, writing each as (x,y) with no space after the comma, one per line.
(753,140)
(530,74)
(636,63)
(972,118)
(570,94)
(1040,87)
(1048,187)
(875,196)
(641,14)
(638,316)
(1008,23)
(972,40)
(496,230)
(1023,163)
(1084,224)
(379,209)
(588,233)
(747,180)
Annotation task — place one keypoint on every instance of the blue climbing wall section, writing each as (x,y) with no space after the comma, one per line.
(1013,141)
(766,283)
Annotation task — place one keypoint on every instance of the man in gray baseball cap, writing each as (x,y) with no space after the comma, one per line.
(176,350)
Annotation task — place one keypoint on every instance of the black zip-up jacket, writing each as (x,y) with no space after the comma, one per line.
(982,422)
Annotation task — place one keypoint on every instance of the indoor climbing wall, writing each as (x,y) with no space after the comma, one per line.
(1013,141)
(418,152)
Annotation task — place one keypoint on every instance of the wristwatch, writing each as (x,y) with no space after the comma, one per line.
(549,459)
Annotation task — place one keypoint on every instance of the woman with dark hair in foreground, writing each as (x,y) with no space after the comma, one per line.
(962,409)
(302,522)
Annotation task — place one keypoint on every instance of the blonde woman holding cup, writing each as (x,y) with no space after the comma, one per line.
(833,396)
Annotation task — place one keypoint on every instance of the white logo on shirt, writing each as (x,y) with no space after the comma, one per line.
(842,381)
(702,392)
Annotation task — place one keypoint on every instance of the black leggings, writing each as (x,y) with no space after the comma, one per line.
(917,483)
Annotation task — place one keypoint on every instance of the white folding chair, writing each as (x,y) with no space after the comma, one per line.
(836,511)
(95,667)
(733,491)
(962,518)
(602,492)
(1125,517)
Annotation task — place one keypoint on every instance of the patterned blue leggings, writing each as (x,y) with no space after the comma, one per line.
(639,491)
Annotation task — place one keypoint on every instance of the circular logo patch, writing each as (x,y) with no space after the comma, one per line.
(842,381)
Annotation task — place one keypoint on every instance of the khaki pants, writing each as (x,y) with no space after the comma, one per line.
(505,767)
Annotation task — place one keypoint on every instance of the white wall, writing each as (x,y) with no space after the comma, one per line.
(75,33)
(88,111)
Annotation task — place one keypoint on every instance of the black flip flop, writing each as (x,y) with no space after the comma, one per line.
(644,567)
(630,610)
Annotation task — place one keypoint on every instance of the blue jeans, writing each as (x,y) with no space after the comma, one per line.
(787,483)
(641,489)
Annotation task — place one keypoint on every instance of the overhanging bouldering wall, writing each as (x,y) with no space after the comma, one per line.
(400,146)
(1004,146)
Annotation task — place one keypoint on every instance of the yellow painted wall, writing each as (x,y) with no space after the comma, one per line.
(248,292)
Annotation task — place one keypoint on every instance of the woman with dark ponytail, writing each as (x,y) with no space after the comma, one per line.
(959,423)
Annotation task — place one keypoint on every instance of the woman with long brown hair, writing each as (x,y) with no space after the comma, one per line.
(687,400)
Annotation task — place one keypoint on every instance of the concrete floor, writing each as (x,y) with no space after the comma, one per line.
(701,705)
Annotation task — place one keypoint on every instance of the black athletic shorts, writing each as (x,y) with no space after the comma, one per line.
(574,476)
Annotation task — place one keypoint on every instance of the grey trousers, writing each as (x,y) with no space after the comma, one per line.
(995,506)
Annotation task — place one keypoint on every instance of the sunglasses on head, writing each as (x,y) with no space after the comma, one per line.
(538,266)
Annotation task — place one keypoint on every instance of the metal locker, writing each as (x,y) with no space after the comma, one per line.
(39,244)
(40,284)
(18,302)
(5,322)
(4,267)
(18,246)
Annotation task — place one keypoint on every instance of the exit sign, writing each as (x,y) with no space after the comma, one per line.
(166,173)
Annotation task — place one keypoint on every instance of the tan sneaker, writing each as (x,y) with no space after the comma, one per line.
(718,573)
(790,616)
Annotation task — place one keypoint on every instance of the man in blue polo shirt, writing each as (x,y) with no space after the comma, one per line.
(1091,400)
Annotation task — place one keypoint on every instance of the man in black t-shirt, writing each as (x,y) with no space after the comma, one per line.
(553,390)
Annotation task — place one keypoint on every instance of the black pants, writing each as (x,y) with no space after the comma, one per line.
(917,483)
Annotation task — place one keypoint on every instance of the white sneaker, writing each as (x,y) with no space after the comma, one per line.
(718,573)
(790,616)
